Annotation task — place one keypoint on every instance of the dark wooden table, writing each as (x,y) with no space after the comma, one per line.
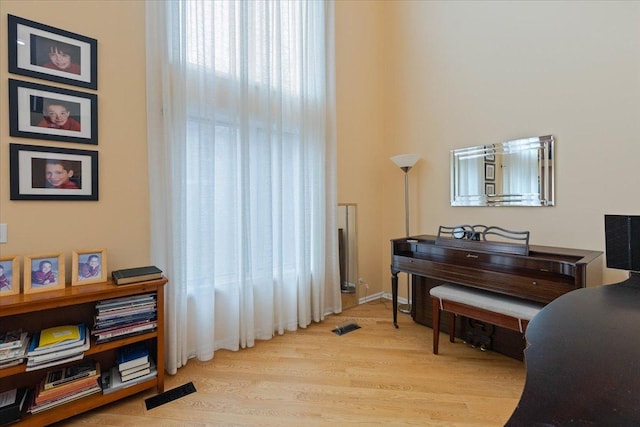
(583,360)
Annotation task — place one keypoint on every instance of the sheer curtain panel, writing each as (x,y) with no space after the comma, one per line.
(242,147)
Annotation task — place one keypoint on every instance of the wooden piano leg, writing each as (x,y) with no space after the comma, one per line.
(436,324)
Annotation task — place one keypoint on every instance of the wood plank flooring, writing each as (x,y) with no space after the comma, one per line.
(374,376)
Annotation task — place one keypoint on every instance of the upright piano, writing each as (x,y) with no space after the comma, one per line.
(541,275)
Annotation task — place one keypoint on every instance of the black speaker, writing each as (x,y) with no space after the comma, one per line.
(622,239)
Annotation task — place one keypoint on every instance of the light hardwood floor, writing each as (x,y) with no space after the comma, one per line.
(374,376)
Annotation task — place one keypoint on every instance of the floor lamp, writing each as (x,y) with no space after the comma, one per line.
(406,162)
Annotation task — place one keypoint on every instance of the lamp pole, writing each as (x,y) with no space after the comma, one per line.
(406,162)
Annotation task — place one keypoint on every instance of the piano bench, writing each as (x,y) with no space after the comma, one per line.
(485,306)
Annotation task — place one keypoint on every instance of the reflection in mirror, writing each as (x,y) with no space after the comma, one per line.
(511,173)
(348,254)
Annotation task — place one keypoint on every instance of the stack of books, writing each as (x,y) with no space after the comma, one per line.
(126,316)
(135,275)
(12,403)
(64,385)
(13,347)
(57,345)
(134,366)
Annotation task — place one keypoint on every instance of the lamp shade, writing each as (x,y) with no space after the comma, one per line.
(405,160)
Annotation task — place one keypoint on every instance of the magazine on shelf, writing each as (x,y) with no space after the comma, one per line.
(35,408)
(36,348)
(53,363)
(58,335)
(15,355)
(57,377)
(61,354)
(43,395)
(12,339)
(115,303)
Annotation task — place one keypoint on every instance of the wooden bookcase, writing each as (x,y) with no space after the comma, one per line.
(72,305)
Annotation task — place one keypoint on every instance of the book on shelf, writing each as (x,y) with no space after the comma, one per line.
(58,377)
(67,389)
(12,403)
(111,380)
(125,372)
(11,339)
(136,274)
(77,394)
(132,355)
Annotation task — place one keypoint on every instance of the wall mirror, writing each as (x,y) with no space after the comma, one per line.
(348,254)
(511,173)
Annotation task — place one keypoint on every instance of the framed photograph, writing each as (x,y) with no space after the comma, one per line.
(9,275)
(43,273)
(489,189)
(490,155)
(489,171)
(88,267)
(49,53)
(47,112)
(52,173)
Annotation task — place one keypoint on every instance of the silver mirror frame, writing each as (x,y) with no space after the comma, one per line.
(545,194)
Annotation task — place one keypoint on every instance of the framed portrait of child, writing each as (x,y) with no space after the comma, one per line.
(9,275)
(43,273)
(88,266)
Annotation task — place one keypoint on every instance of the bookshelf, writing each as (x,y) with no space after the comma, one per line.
(72,305)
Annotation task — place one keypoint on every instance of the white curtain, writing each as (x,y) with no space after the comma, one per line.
(242,167)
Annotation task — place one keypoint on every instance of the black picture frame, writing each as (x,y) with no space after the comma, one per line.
(35,49)
(27,119)
(34,170)
(490,154)
(490,189)
(489,171)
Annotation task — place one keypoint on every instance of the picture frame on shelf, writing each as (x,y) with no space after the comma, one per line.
(9,275)
(52,113)
(489,171)
(88,266)
(44,272)
(52,173)
(49,53)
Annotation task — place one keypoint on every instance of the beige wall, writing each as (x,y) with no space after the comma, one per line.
(421,77)
(119,221)
(461,73)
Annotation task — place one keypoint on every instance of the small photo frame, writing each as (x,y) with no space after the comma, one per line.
(489,171)
(9,275)
(490,189)
(52,113)
(52,173)
(89,267)
(49,53)
(43,273)
(490,155)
